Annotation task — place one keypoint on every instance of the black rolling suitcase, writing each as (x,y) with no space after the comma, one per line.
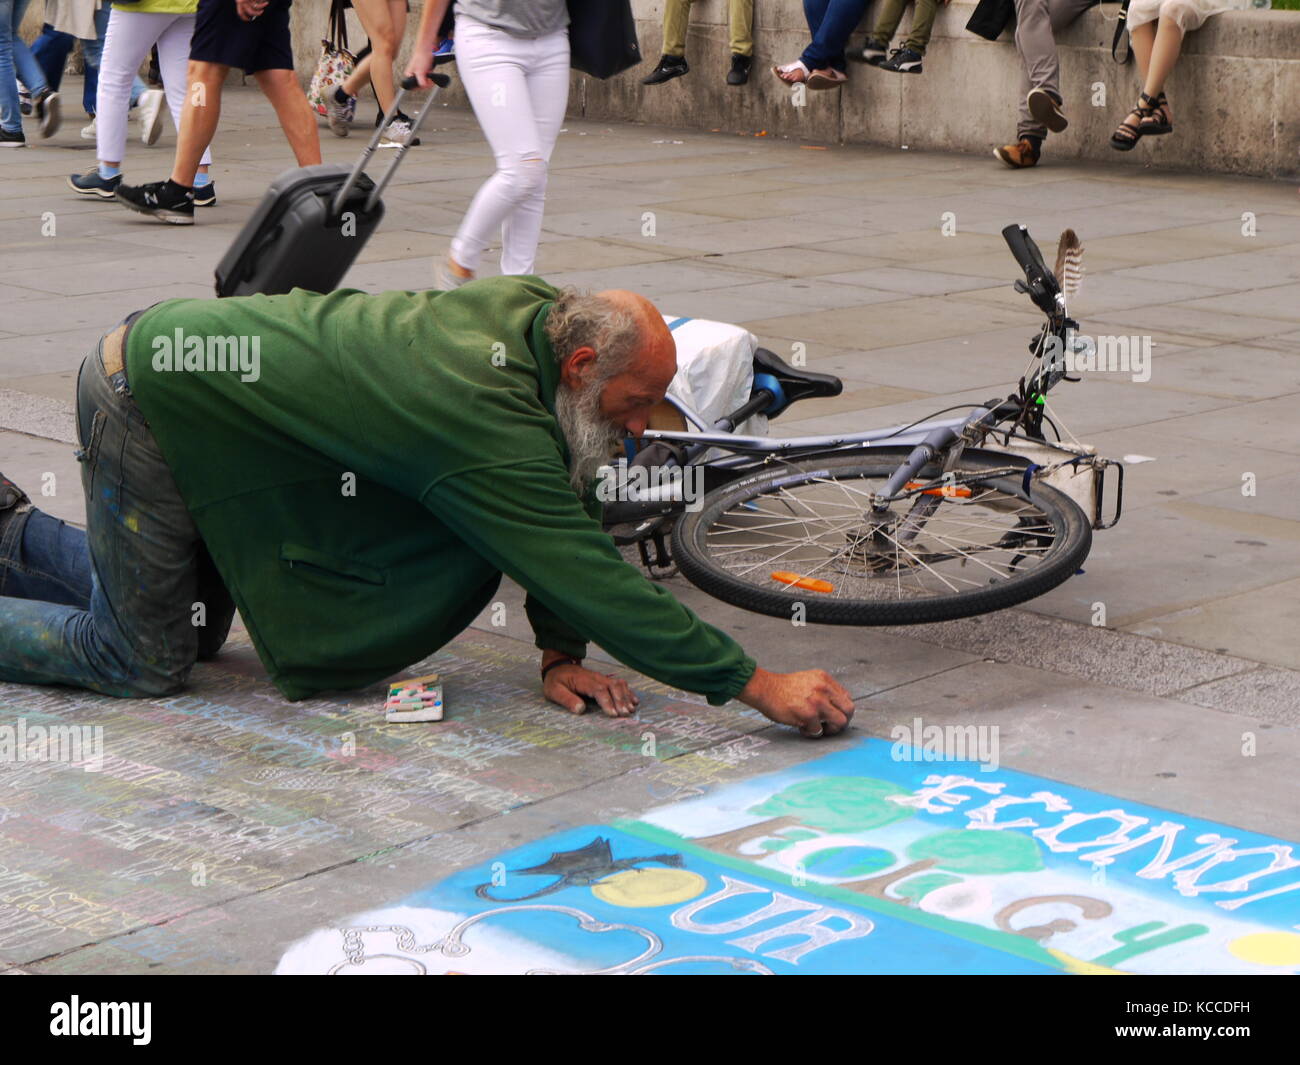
(314,220)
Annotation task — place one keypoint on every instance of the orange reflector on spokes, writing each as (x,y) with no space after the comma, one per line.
(811,583)
(958,490)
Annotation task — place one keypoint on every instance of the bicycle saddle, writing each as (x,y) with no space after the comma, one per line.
(794,384)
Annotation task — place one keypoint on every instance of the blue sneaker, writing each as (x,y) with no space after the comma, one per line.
(91,184)
(445,52)
(205,195)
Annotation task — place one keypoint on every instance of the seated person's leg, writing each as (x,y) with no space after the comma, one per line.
(832,34)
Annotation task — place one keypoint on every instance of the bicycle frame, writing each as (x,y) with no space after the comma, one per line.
(936,438)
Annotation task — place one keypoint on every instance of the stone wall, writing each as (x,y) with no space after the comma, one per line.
(1235,92)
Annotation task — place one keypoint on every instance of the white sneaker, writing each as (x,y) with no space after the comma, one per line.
(88,132)
(396,135)
(151,120)
(445,278)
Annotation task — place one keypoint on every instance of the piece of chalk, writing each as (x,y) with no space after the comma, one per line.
(409,682)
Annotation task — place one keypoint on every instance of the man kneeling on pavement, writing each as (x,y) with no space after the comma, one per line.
(354,473)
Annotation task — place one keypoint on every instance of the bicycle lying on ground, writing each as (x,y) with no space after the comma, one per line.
(939,519)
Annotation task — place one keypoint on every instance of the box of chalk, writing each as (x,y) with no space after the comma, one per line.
(414,699)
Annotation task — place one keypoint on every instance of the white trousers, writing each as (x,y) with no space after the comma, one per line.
(519,88)
(130,36)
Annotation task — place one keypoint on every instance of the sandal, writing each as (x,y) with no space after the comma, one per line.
(1157,120)
(792,73)
(827,78)
(1125,138)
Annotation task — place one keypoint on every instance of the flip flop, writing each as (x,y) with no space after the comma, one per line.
(792,73)
(827,78)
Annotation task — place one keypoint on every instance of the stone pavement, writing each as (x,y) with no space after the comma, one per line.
(887,267)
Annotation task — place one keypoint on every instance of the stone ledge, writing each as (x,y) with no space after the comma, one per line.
(1233,92)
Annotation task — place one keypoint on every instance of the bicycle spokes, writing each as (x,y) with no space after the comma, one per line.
(823,535)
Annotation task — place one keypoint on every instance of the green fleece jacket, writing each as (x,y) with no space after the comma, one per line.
(364,468)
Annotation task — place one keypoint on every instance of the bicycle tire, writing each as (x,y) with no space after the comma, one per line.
(1071,543)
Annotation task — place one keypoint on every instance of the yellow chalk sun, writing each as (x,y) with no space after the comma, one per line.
(649,887)
(1268,948)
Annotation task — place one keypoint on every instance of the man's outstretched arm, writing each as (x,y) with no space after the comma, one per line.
(526,520)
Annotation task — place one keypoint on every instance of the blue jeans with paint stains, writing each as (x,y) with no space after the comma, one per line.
(126,607)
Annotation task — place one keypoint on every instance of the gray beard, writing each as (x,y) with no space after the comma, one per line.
(590,436)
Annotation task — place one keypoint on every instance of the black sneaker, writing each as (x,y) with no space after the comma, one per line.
(670,66)
(205,195)
(740,66)
(25,102)
(162,199)
(902,61)
(49,114)
(12,140)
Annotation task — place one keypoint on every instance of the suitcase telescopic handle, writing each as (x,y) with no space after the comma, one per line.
(440,81)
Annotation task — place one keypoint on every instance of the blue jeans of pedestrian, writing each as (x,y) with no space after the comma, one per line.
(53,47)
(831,22)
(126,607)
(15,59)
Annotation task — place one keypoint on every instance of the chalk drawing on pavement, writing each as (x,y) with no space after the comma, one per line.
(853,862)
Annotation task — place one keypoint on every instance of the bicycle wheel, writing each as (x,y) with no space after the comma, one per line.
(805,533)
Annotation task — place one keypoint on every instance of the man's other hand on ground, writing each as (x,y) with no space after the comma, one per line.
(570,686)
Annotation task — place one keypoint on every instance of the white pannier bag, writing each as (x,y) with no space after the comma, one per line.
(715,371)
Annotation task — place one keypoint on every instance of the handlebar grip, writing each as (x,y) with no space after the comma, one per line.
(1042,284)
(440,80)
(1025,250)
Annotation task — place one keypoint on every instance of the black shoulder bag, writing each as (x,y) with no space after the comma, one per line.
(602,37)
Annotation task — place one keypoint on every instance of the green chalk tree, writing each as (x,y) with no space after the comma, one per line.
(830,804)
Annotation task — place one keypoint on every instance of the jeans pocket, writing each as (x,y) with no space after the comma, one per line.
(88,452)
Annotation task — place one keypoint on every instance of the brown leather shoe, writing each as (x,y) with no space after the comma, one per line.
(1019,155)
(1046,109)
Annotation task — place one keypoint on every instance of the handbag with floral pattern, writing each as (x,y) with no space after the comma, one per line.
(335,63)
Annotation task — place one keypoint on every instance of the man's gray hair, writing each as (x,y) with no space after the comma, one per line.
(585,320)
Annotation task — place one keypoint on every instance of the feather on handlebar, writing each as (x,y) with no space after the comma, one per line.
(1069,263)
